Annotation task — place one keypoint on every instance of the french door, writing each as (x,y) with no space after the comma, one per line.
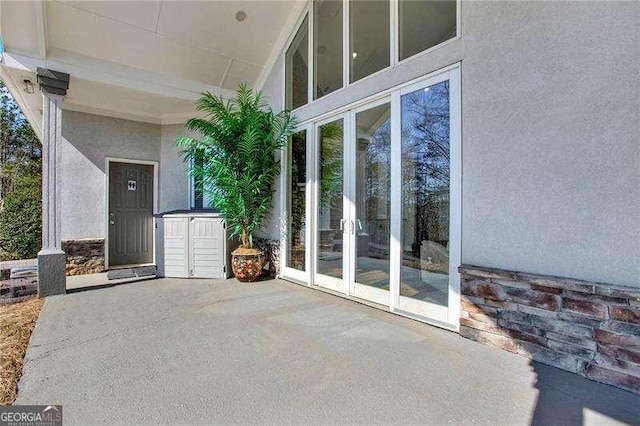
(383,200)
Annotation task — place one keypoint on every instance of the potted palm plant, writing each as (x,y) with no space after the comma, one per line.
(238,165)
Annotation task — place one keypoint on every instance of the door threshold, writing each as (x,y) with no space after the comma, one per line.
(408,315)
(135,272)
(129,266)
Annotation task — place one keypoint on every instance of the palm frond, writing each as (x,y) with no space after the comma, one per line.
(240,138)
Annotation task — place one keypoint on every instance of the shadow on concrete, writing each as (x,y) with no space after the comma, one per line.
(108,285)
(567,398)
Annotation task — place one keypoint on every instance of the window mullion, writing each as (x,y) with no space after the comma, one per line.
(393,32)
(346,47)
(311,69)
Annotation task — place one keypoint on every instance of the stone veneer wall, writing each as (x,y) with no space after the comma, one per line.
(588,328)
(271,249)
(84,256)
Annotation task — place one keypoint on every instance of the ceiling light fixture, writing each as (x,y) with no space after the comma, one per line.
(241,15)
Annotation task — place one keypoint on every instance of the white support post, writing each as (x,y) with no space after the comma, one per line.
(51,259)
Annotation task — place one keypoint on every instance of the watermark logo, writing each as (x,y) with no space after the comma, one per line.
(31,415)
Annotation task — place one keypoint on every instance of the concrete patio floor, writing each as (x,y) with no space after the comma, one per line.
(203,351)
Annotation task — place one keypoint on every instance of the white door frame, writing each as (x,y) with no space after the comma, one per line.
(108,161)
(445,317)
(335,284)
(373,294)
(449,316)
(302,277)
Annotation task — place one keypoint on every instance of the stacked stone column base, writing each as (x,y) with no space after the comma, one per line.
(84,256)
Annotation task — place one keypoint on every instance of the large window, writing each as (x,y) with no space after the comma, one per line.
(424,24)
(366,30)
(297,68)
(369,37)
(327,47)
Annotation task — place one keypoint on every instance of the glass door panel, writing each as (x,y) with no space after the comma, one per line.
(425,197)
(330,247)
(386,184)
(296,197)
(372,203)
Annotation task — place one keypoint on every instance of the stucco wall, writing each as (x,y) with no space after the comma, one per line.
(87,140)
(550,101)
(273,91)
(174,178)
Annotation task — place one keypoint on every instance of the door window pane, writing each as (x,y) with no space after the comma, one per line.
(331,177)
(297,201)
(373,201)
(424,24)
(369,34)
(327,47)
(297,68)
(425,194)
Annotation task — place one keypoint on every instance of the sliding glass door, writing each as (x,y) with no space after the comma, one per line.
(371,201)
(331,223)
(429,200)
(383,219)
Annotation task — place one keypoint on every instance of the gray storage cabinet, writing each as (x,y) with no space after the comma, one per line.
(193,245)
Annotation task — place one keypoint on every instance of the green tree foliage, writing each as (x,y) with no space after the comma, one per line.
(20,182)
(240,138)
(20,219)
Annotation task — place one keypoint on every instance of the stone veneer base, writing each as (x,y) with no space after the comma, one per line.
(84,256)
(592,329)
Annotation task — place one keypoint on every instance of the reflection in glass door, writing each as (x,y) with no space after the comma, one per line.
(296,178)
(384,209)
(372,203)
(330,247)
(426,178)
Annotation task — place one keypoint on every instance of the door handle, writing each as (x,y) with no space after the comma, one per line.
(342,222)
(359,225)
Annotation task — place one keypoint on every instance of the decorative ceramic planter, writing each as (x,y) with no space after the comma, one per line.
(247,267)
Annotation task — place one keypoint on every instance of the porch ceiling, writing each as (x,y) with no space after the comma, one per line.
(145,51)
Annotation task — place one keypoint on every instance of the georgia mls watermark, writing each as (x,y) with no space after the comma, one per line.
(31,415)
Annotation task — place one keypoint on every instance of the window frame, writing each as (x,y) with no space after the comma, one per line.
(394,48)
(292,38)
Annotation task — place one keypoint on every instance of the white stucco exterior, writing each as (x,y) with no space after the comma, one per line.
(551,182)
(87,142)
(174,180)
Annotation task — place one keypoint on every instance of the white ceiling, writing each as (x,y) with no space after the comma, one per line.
(169,48)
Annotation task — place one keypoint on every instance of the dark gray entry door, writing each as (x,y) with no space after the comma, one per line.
(130,214)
